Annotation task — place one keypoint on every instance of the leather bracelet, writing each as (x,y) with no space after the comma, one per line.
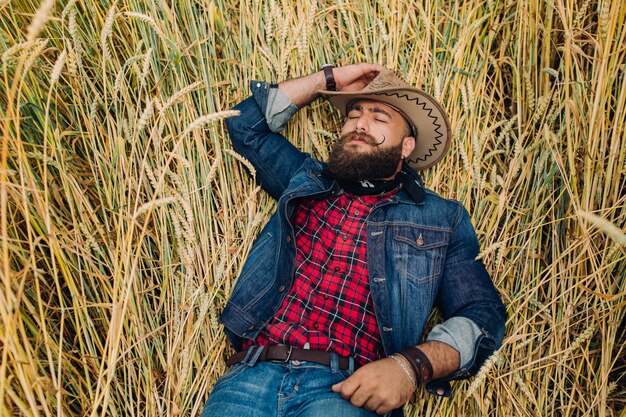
(331,85)
(419,362)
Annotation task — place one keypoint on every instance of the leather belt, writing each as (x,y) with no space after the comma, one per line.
(283,353)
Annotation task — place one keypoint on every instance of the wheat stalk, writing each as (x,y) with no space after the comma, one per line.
(40,19)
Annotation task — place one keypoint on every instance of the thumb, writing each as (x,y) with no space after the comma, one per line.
(337,387)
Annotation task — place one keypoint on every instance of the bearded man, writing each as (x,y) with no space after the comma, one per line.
(329,312)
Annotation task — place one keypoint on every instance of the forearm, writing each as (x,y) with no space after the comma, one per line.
(274,158)
(444,358)
(302,91)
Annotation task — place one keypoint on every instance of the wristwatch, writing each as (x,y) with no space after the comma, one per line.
(331,85)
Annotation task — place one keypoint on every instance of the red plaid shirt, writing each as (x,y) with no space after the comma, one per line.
(329,305)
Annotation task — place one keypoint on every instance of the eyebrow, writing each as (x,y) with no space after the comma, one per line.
(373,109)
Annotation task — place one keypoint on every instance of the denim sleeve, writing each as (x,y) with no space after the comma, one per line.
(274,158)
(470,305)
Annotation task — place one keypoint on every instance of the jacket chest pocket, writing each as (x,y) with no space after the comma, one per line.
(419,252)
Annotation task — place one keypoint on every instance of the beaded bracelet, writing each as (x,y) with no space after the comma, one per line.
(405,369)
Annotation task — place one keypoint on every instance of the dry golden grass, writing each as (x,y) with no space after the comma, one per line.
(125,216)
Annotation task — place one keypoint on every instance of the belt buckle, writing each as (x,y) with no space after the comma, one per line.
(288,354)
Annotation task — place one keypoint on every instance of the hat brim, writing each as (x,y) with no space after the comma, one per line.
(423,111)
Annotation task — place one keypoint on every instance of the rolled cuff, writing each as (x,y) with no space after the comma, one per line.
(461,333)
(279,109)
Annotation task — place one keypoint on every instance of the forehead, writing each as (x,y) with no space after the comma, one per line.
(372,105)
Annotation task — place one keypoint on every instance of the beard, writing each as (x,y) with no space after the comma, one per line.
(351,165)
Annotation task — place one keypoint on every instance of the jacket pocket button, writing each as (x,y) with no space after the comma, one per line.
(420,240)
(251,327)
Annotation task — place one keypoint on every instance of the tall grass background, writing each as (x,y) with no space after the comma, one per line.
(126,216)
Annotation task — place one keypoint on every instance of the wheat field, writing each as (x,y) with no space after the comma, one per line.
(126,216)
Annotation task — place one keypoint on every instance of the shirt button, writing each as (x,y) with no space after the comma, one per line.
(441,391)
(356,212)
(325,296)
(315,325)
(336,268)
(281,288)
(344,237)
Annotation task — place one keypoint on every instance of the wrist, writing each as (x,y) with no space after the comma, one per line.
(406,367)
(329,76)
(420,364)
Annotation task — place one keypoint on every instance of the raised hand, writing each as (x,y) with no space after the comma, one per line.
(301,91)
(355,77)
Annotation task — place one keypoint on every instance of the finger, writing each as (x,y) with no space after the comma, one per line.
(360,398)
(347,387)
(372,71)
(371,68)
(373,404)
(382,409)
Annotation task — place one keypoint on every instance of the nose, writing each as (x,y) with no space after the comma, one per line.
(361,124)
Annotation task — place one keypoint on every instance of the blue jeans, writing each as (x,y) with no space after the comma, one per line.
(281,389)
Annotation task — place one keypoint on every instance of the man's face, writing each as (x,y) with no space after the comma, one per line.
(373,140)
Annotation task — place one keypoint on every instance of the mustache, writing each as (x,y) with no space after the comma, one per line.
(369,139)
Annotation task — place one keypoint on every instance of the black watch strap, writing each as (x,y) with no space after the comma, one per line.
(331,85)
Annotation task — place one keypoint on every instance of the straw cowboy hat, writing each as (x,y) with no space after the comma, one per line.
(425,115)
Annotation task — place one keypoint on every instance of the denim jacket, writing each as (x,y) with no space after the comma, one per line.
(418,256)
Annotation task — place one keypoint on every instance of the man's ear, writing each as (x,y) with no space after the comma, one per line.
(408,144)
